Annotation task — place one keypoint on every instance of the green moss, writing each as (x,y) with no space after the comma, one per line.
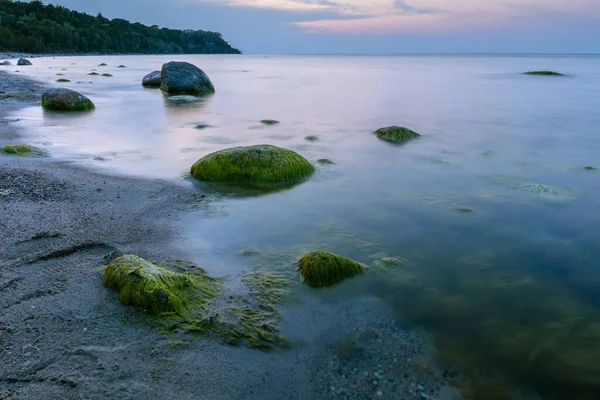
(17,149)
(311,138)
(543,73)
(396,134)
(94,73)
(156,289)
(260,166)
(325,161)
(322,268)
(269,122)
(62,80)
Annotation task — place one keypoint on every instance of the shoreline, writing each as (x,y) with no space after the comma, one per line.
(64,335)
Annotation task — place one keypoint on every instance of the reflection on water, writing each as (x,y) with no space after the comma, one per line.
(492,208)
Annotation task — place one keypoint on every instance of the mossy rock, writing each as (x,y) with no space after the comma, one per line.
(121,66)
(269,122)
(543,73)
(108,75)
(103,65)
(260,165)
(63,80)
(94,73)
(17,149)
(322,268)
(325,161)
(156,289)
(65,100)
(396,134)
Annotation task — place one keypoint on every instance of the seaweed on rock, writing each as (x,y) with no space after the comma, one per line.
(396,134)
(17,149)
(259,165)
(322,268)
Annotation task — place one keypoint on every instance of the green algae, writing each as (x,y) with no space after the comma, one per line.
(396,134)
(157,289)
(17,149)
(311,138)
(543,73)
(322,268)
(269,122)
(260,166)
(325,161)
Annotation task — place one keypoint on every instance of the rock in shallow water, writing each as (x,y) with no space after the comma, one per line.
(23,61)
(5,63)
(322,268)
(261,166)
(396,134)
(65,100)
(185,78)
(152,80)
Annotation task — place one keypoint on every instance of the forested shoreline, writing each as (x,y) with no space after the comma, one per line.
(37,28)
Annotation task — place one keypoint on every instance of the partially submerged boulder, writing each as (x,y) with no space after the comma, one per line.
(24,61)
(65,100)
(543,73)
(260,165)
(152,80)
(156,289)
(5,63)
(396,134)
(322,268)
(184,78)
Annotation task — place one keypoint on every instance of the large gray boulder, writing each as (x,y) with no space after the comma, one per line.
(62,99)
(23,61)
(5,63)
(185,78)
(152,80)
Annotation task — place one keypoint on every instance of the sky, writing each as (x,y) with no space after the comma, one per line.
(374,26)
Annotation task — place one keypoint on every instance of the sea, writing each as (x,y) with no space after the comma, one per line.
(487,227)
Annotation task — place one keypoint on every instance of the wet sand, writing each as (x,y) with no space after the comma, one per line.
(63,335)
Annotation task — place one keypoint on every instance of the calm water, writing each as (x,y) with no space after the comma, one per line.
(502,270)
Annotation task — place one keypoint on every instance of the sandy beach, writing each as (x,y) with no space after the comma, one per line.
(63,335)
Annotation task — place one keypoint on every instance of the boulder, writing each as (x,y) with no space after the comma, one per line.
(5,63)
(152,80)
(23,61)
(396,134)
(185,78)
(65,100)
(260,166)
(322,268)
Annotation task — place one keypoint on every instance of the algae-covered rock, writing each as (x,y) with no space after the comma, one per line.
(121,66)
(24,61)
(396,134)
(269,122)
(543,73)
(260,165)
(65,100)
(152,80)
(103,65)
(107,75)
(322,268)
(185,78)
(325,161)
(311,138)
(94,73)
(156,289)
(63,80)
(17,149)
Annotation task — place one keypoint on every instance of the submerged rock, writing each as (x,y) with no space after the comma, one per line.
(185,78)
(322,268)
(153,80)
(396,134)
(24,61)
(543,73)
(5,63)
(260,165)
(156,289)
(65,100)
(311,138)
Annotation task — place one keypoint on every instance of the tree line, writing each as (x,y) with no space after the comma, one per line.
(37,28)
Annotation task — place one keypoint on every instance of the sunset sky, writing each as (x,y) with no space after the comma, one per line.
(375,26)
